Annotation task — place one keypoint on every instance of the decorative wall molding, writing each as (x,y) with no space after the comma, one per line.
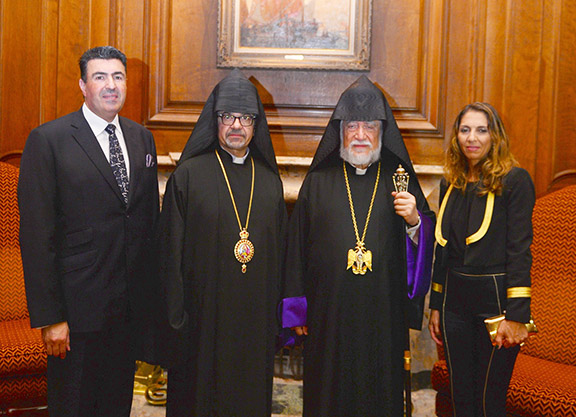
(296,120)
(429,57)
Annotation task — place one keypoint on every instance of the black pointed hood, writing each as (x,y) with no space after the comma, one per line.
(234,93)
(362,100)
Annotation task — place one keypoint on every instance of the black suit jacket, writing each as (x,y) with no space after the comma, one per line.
(87,256)
(504,248)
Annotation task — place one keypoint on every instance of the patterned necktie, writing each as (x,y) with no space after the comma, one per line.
(117,162)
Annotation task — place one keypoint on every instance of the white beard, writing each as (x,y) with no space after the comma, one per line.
(362,159)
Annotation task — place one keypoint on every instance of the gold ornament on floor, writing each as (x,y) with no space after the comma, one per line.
(360,258)
(244,249)
(400,179)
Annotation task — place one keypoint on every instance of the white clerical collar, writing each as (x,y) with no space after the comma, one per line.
(360,171)
(97,124)
(238,160)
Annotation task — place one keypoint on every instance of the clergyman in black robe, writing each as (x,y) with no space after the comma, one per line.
(225,318)
(358,310)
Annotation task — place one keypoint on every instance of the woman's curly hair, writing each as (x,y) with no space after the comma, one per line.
(493,167)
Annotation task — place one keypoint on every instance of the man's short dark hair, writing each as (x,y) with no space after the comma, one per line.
(99,52)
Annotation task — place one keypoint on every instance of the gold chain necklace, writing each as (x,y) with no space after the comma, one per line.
(360,258)
(244,249)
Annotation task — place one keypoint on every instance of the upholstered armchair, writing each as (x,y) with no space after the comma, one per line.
(544,378)
(22,353)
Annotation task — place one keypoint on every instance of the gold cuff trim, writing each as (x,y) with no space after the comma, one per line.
(519,292)
(438,231)
(485,222)
(437,287)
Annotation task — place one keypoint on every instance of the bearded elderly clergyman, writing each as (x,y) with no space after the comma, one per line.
(359,258)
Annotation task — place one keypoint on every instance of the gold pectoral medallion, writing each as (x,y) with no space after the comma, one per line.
(244,250)
(359,259)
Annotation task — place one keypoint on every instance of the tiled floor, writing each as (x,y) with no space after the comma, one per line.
(287,402)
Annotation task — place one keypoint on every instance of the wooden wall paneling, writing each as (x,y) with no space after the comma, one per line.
(20,72)
(170,139)
(102,21)
(49,52)
(433,65)
(166,124)
(480,47)
(549,105)
(479,55)
(407,59)
(564,162)
(83,25)
(459,80)
(156,49)
(495,47)
(129,34)
(75,29)
(520,97)
(401,32)
(504,52)
(192,73)
(396,57)
(430,57)
(424,136)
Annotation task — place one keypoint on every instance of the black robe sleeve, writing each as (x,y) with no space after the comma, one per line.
(520,204)
(172,318)
(439,270)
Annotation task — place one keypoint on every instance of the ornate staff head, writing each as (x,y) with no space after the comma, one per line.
(400,179)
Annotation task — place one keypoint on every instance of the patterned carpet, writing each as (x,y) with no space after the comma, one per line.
(287,402)
(287,395)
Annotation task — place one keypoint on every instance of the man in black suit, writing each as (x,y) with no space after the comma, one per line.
(88,197)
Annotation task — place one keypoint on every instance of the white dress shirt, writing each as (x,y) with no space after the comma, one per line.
(98,126)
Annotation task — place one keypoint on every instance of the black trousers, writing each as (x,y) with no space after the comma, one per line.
(479,372)
(96,379)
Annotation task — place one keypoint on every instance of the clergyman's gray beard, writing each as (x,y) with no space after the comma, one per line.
(360,160)
(235,144)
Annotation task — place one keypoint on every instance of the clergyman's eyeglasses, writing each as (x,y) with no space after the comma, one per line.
(229,119)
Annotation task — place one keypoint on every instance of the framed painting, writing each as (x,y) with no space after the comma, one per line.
(295,34)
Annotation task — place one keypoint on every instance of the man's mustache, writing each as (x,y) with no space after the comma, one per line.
(236,132)
(357,142)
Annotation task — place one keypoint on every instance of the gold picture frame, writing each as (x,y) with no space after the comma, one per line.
(295,34)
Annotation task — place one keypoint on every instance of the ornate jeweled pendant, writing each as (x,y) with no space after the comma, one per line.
(244,250)
(360,259)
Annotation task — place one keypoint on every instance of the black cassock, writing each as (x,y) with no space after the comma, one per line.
(353,363)
(357,324)
(230,330)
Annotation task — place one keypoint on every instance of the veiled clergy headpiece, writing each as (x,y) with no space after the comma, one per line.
(362,100)
(234,94)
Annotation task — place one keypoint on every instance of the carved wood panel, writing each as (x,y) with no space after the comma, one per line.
(430,57)
(404,64)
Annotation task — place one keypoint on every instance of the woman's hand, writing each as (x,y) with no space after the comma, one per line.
(434,326)
(510,333)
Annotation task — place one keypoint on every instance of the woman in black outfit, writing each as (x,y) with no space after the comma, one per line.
(482,265)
